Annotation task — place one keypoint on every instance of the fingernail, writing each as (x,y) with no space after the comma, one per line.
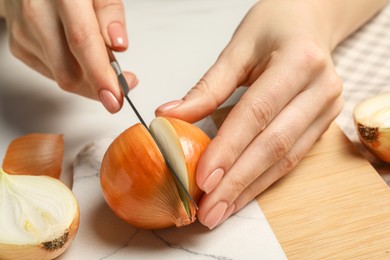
(170,105)
(109,101)
(213,180)
(227,214)
(117,35)
(134,83)
(215,215)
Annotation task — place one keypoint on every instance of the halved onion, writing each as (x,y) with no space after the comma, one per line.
(372,121)
(39,215)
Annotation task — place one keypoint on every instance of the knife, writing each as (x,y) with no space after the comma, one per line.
(125,90)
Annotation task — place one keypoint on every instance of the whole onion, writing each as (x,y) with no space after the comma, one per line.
(138,185)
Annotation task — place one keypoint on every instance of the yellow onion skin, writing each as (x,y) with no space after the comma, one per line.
(137,184)
(44,251)
(35,154)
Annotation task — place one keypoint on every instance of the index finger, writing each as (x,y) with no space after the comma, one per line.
(88,47)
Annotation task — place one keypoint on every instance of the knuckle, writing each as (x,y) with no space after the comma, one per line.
(260,112)
(279,144)
(338,106)
(290,161)
(335,87)
(331,89)
(203,87)
(78,38)
(237,185)
(232,149)
(312,57)
(251,192)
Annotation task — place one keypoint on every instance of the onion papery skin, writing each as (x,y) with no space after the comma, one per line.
(35,154)
(372,122)
(138,185)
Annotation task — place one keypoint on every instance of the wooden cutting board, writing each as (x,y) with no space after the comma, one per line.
(333,205)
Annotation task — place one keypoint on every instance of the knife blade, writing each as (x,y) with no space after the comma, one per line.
(125,90)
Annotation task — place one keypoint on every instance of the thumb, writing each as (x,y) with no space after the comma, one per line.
(211,91)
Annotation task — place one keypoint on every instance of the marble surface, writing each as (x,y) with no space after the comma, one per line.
(102,235)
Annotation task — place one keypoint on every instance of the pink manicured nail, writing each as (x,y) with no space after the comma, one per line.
(213,180)
(170,105)
(227,214)
(109,101)
(215,215)
(134,83)
(117,35)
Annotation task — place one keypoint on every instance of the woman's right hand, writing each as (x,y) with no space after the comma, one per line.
(66,41)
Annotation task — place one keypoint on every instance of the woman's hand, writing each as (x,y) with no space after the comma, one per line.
(66,41)
(282,52)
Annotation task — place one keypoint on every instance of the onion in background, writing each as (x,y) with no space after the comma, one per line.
(372,121)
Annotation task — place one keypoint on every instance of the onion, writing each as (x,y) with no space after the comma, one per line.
(39,215)
(138,185)
(372,121)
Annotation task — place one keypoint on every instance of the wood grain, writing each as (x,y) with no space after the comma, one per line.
(333,205)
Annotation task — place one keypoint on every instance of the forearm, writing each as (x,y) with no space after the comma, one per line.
(346,16)
(324,22)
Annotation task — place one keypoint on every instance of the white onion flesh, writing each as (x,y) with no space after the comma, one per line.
(168,141)
(374,112)
(34,209)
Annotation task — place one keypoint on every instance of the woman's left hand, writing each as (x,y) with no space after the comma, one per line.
(282,51)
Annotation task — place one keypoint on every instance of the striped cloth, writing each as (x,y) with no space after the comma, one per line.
(363,62)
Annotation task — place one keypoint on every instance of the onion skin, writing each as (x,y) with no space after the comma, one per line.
(35,154)
(137,184)
(45,250)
